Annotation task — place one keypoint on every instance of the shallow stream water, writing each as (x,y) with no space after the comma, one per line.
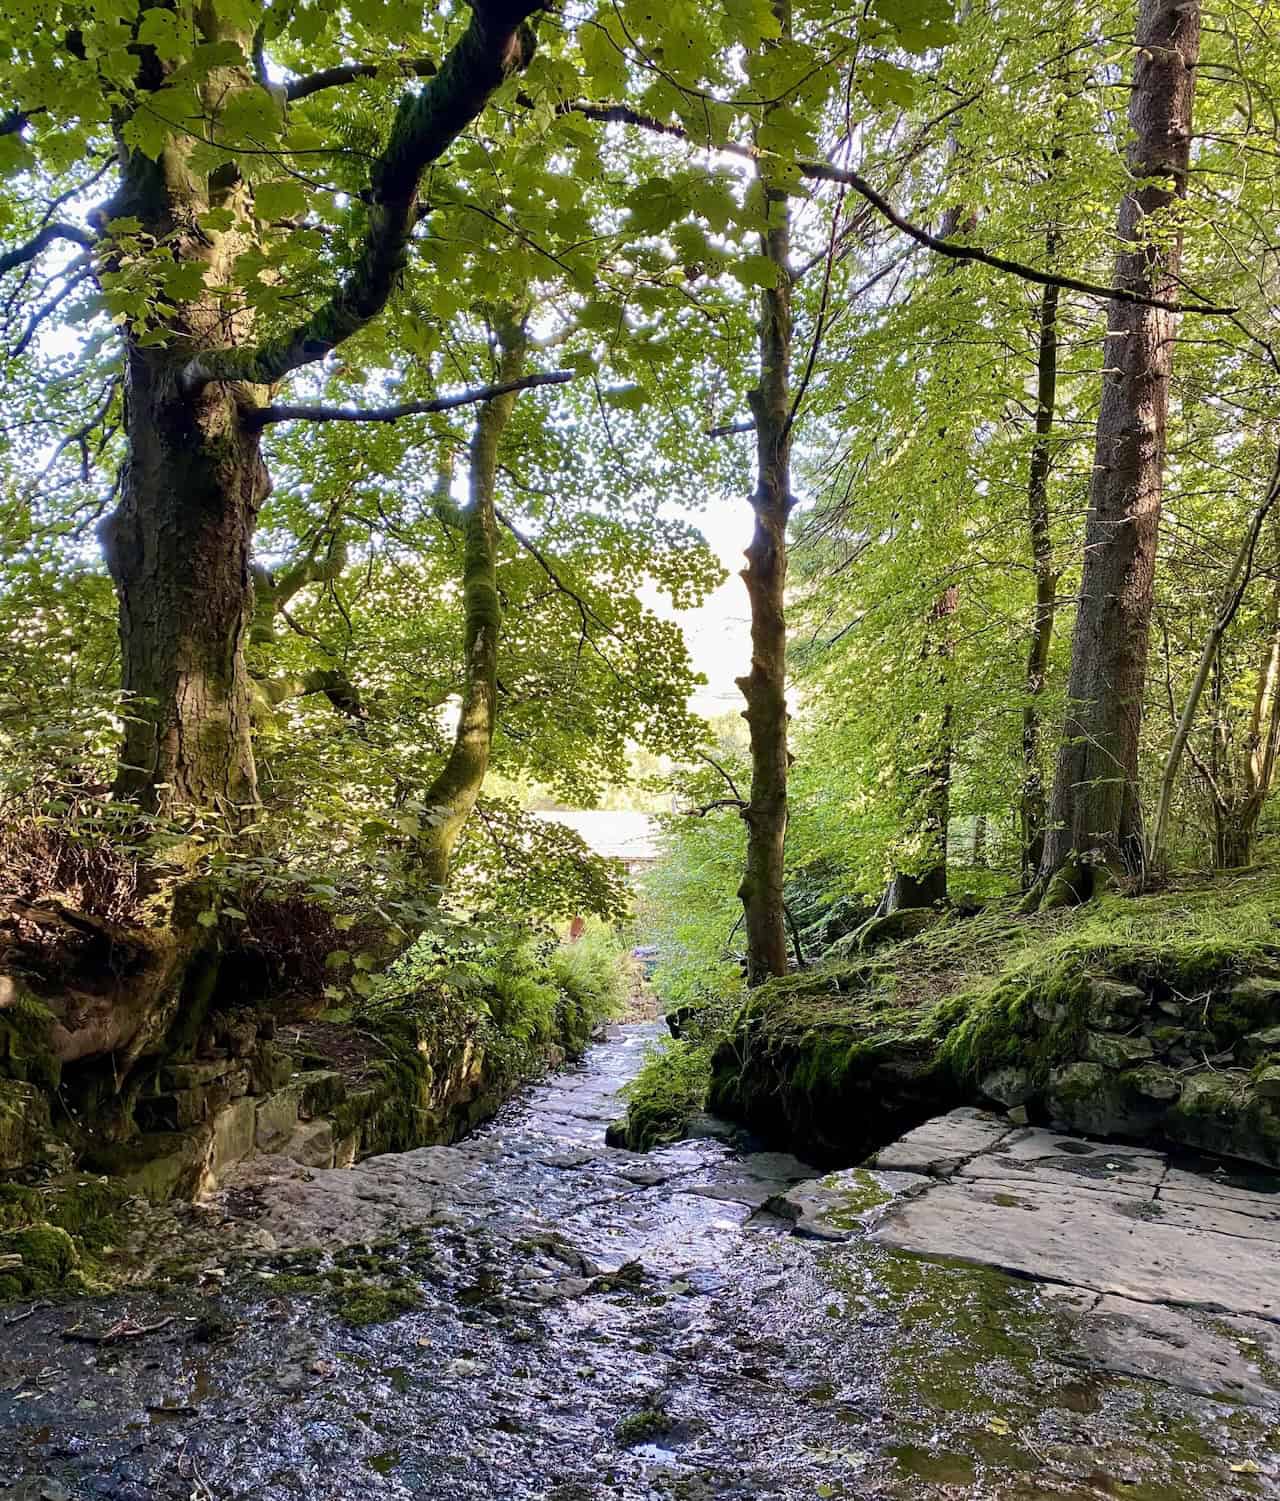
(586,1324)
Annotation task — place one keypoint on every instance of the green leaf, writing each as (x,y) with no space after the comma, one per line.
(283,198)
(158,28)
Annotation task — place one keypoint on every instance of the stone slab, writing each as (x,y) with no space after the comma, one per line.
(234,1128)
(841,1205)
(944,1144)
(311,1145)
(1087,1239)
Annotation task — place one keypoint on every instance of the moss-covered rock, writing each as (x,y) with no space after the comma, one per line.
(39,1259)
(1079,1016)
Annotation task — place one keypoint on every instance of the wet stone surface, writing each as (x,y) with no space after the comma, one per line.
(568,1322)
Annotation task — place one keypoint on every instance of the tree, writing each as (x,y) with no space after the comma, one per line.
(179,250)
(1095,808)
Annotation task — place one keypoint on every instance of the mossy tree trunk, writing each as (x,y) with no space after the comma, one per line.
(1095,813)
(448,802)
(765,576)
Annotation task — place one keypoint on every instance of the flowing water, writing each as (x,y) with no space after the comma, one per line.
(579,1324)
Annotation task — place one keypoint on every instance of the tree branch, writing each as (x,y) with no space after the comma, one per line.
(58,230)
(264,416)
(345,73)
(745,425)
(618,114)
(496,44)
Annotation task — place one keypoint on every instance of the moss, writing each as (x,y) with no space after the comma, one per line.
(49,1261)
(643,1426)
(358,1303)
(839,1059)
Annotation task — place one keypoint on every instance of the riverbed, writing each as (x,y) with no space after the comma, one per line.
(570,1322)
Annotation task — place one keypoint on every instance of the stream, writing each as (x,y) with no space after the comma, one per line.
(580,1324)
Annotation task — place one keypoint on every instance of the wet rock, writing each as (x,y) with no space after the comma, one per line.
(272,1068)
(840,1205)
(1172,1345)
(942,1145)
(24,1122)
(1116,1052)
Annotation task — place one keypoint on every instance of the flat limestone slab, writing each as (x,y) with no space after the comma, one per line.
(944,1144)
(840,1206)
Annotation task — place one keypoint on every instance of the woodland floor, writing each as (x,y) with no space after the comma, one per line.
(576,1323)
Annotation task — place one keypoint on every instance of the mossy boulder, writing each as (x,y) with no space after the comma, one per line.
(38,1259)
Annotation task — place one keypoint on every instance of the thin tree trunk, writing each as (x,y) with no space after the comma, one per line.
(1233,595)
(1095,812)
(448,802)
(765,687)
(1046,583)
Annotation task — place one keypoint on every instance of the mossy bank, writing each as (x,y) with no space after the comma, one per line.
(437,1046)
(1147,1018)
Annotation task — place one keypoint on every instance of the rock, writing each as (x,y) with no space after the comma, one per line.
(1087,1097)
(311,1144)
(1018,1115)
(198,1075)
(1048,1010)
(1164,1038)
(1258,1045)
(1086,1237)
(233,1135)
(323,1090)
(1258,994)
(839,1206)
(1112,1003)
(895,927)
(1153,1082)
(277,1119)
(1116,1052)
(1267,1083)
(160,1165)
(1175,1347)
(942,1145)
(272,1068)
(1008,1086)
(1171,1008)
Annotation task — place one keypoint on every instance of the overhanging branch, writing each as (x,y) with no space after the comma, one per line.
(49,235)
(345,73)
(264,416)
(618,114)
(496,44)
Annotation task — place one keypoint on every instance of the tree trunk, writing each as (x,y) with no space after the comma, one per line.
(765,687)
(1095,813)
(451,797)
(1033,801)
(178,551)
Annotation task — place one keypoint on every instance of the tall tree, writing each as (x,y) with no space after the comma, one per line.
(178,251)
(765,686)
(1095,815)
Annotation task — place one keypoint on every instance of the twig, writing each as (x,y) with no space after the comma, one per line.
(122,1330)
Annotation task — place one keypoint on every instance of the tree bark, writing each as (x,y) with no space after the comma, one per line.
(178,546)
(1032,809)
(765,576)
(451,797)
(1095,812)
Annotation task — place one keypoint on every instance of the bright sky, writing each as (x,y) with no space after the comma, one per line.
(718,635)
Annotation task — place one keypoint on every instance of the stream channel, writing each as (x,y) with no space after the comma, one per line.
(582,1324)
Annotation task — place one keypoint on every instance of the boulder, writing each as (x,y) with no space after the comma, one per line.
(1113,1004)
(1116,1052)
